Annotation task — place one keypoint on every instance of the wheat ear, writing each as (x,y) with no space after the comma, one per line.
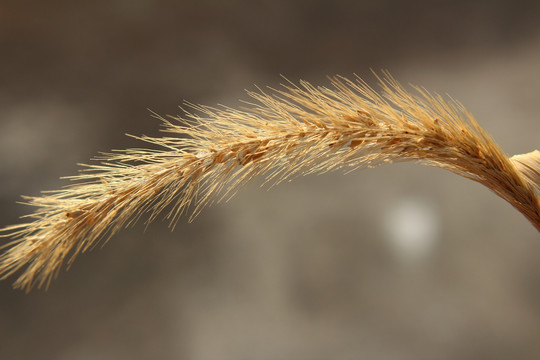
(296,130)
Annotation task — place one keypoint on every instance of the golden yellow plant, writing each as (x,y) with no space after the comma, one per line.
(207,155)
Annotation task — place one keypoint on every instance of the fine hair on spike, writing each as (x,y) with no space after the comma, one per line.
(298,129)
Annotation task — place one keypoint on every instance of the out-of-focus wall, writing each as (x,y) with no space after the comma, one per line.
(397,262)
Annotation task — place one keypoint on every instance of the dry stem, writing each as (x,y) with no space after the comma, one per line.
(297,130)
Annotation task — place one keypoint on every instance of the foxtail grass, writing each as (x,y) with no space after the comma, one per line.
(209,153)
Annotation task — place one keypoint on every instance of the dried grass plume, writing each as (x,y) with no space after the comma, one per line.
(296,130)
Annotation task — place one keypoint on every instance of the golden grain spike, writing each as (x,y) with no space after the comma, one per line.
(210,154)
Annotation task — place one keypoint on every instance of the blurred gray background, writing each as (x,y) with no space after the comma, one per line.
(397,262)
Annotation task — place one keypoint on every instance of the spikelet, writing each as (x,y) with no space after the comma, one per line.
(207,155)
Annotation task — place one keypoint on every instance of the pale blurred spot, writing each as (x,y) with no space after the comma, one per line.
(412,229)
